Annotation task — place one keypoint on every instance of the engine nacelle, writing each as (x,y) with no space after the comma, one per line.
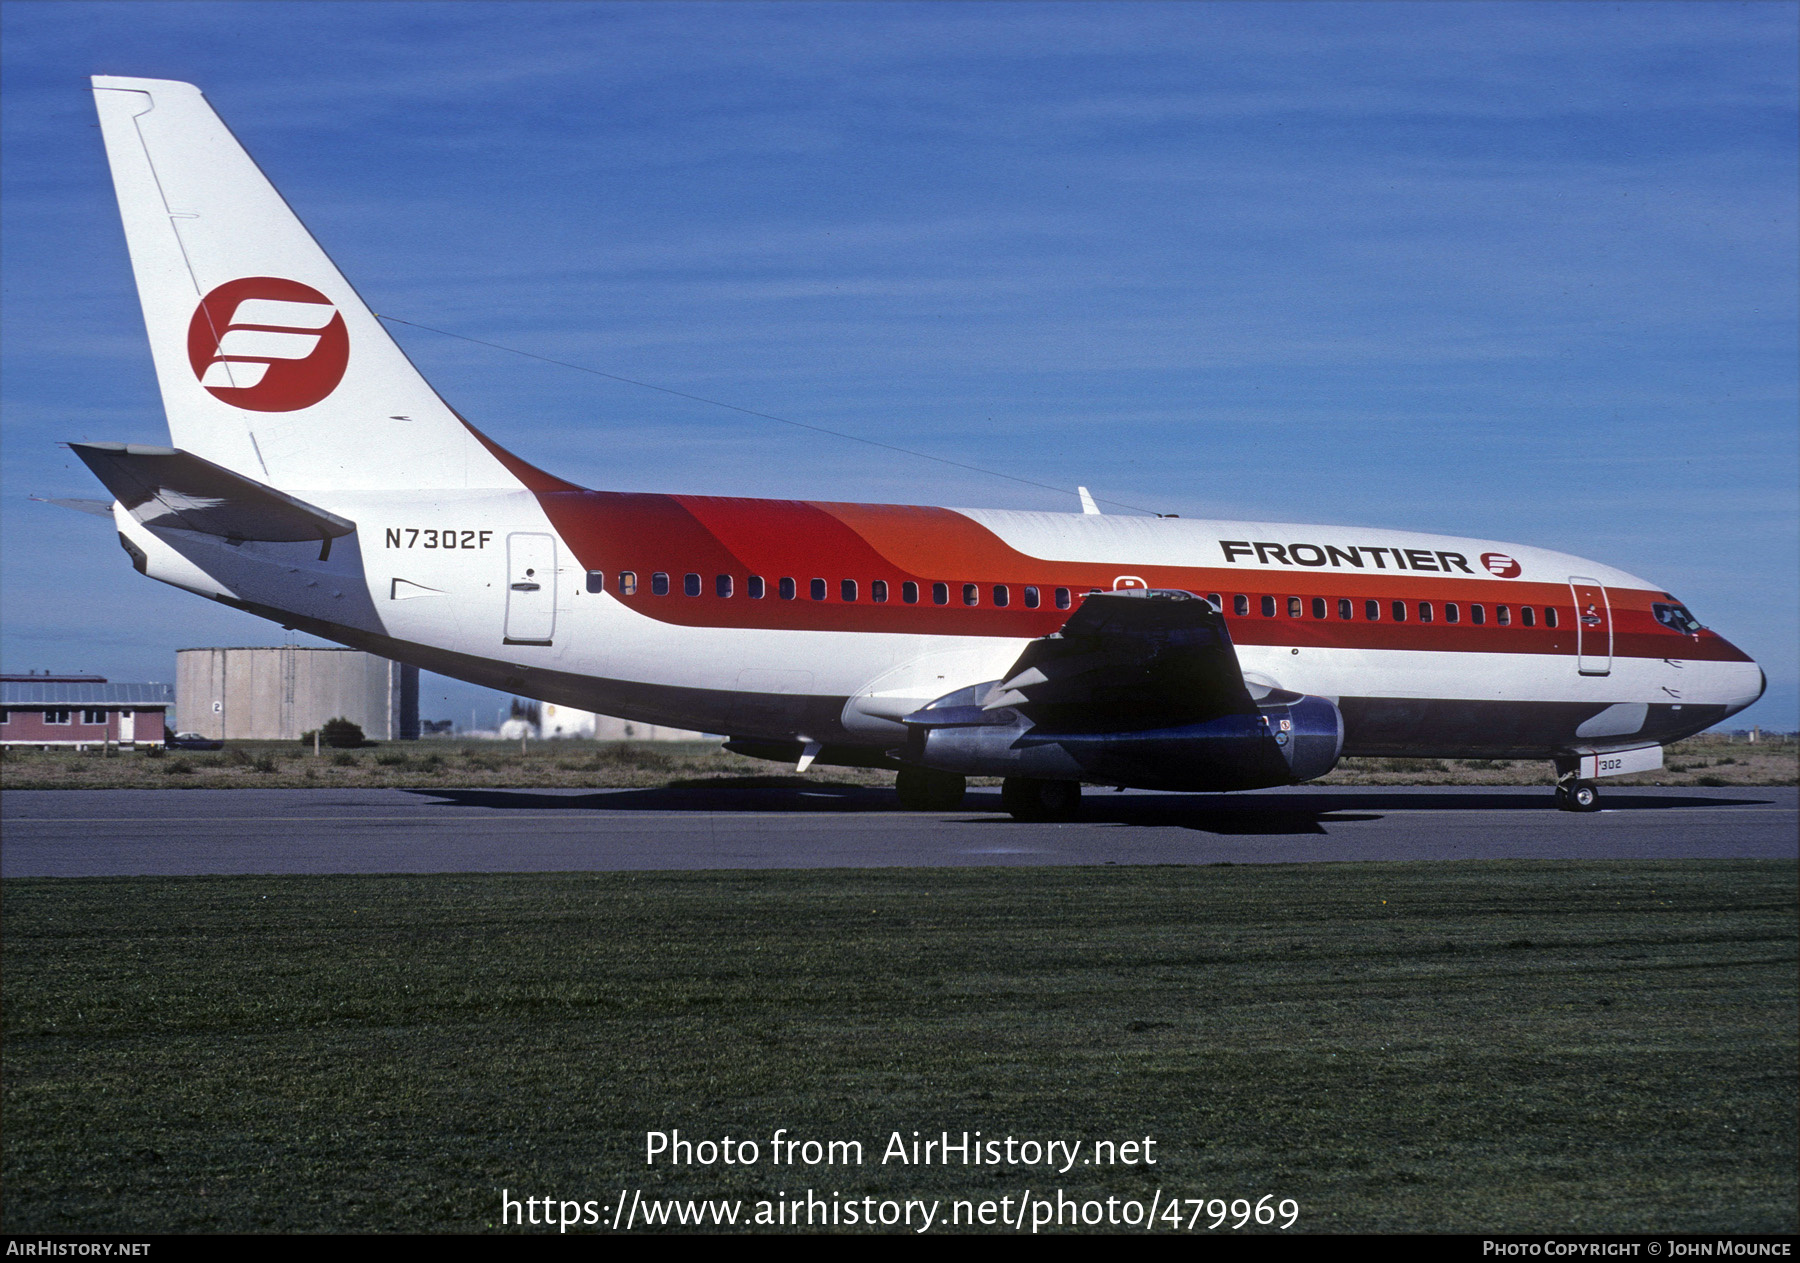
(1292,737)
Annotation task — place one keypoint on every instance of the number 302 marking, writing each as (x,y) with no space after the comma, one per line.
(1611,765)
(421,537)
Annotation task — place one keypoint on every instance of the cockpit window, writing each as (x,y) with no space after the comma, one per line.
(1675,617)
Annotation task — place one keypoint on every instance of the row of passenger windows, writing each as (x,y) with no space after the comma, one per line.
(1396,611)
(625,583)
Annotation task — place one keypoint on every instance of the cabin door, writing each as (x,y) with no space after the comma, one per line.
(1593,627)
(530,588)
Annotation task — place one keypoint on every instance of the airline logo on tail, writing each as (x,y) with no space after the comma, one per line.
(267,344)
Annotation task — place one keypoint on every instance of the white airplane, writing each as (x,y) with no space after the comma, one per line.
(317,480)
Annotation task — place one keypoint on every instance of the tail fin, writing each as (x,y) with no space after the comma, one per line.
(269,363)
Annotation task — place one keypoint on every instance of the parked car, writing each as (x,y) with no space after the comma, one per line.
(192,741)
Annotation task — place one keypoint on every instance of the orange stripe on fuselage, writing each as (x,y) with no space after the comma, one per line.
(714,535)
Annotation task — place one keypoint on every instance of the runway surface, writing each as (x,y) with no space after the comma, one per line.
(70,833)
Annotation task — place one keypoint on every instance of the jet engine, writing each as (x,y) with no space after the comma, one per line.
(1141,690)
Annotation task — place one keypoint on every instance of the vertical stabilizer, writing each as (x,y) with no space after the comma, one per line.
(268,362)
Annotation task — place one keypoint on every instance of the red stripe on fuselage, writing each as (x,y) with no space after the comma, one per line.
(714,535)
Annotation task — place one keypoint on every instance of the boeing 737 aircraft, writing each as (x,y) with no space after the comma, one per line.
(317,480)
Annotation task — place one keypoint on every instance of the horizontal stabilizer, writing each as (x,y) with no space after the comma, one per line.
(167,487)
(99,508)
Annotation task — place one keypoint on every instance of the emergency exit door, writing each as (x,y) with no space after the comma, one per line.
(530,588)
(1593,626)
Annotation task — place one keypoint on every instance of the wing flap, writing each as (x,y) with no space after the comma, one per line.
(1128,662)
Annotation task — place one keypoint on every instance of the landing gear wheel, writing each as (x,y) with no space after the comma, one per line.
(1026,799)
(923,790)
(1584,796)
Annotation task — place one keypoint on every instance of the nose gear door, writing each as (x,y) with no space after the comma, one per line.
(530,588)
(1593,626)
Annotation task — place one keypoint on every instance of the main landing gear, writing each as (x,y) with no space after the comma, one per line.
(1573,793)
(924,790)
(1040,800)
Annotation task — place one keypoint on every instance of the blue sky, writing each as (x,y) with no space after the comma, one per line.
(1525,272)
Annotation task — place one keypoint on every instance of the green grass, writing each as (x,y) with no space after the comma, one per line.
(1517,1046)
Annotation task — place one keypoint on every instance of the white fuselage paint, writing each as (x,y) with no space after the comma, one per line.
(456,600)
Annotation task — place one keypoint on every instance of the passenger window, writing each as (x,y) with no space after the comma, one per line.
(787,589)
(753,587)
(940,594)
(690,584)
(878,591)
(1478,614)
(1268,607)
(1318,604)
(722,585)
(1424,611)
(1294,607)
(818,589)
(1399,611)
(1451,613)
(1528,616)
(1503,615)
(1063,599)
(1218,602)
(1031,597)
(971,594)
(847,589)
(596,581)
(627,583)
(909,592)
(659,583)
(1001,595)
(1549,616)
(1346,610)
(1372,611)
(1240,605)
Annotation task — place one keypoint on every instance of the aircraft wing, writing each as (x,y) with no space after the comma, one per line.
(167,487)
(1124,662)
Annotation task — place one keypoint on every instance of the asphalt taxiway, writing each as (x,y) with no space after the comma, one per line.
(70,833)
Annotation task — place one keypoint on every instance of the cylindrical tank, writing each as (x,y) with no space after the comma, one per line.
(279,693)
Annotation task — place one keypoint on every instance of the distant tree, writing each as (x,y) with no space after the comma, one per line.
(341,734)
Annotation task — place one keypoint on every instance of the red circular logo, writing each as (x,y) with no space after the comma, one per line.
(268,345)
(1500,565)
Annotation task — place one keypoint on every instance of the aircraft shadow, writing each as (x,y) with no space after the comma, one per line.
(1265,813)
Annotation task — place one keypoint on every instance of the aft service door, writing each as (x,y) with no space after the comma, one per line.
(530,589)
(1593,627)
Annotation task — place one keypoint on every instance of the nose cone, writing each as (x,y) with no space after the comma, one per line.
(1744,686)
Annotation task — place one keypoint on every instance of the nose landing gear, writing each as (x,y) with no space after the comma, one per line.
(1573,793)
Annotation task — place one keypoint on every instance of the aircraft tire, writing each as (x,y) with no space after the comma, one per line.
(1031,800)
(921,789)
(1018,797)
(1584,796)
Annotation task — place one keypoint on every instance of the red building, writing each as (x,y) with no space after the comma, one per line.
(81,711)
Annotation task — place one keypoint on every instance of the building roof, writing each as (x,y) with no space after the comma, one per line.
(43,693)
(270,649)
